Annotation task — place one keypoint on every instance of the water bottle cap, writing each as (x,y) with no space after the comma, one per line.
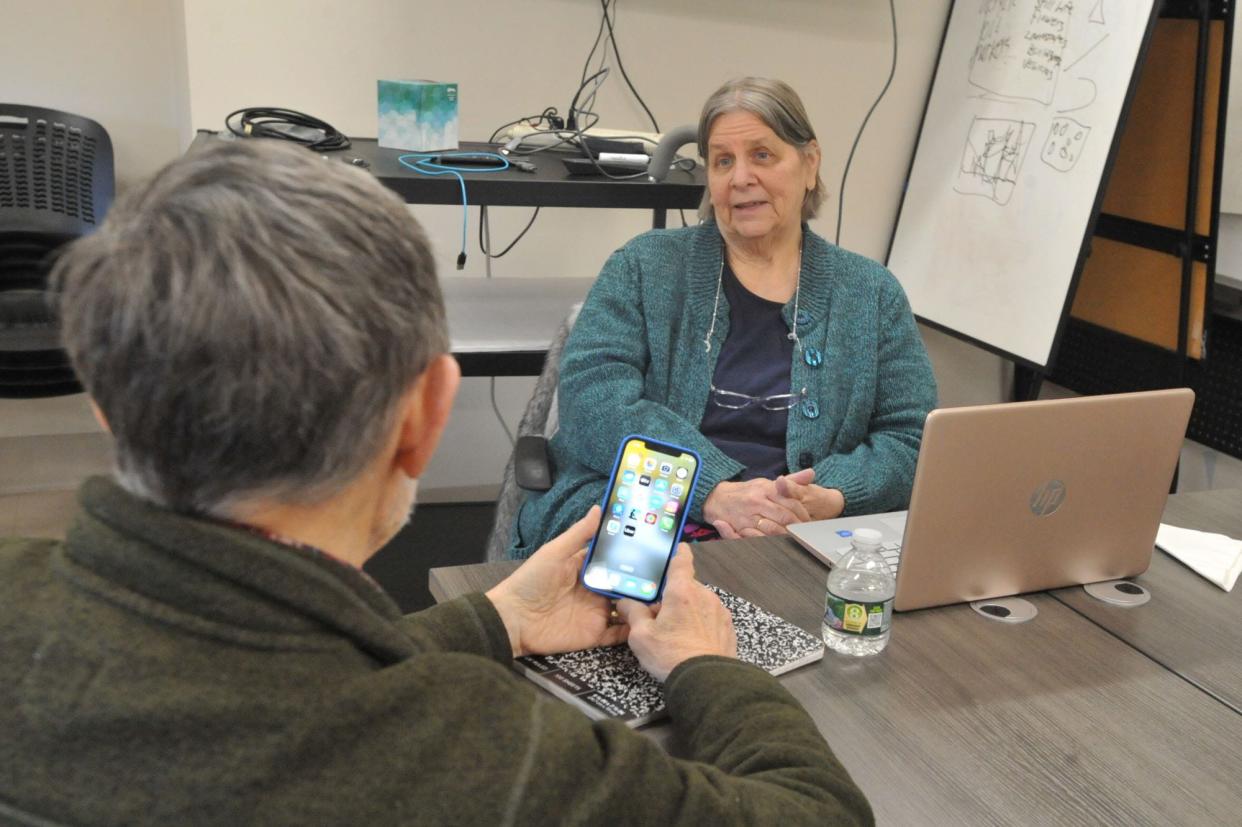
(868,536)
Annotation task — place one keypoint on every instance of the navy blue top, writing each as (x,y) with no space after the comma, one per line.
(754,360)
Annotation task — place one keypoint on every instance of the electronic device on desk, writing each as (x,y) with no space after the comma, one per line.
(524,136)
(604,156)
(609,163)
(620,159)
(1026,496)
(484,161)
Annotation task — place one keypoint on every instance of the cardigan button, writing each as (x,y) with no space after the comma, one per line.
(805,459)
(813,356)
(802,318)
(810,408)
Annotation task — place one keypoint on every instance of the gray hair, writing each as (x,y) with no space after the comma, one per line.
(776,104)
(247,321)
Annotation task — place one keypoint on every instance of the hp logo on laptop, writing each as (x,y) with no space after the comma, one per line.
(1047,498)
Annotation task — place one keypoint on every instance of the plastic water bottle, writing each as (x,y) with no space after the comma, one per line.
(858,610)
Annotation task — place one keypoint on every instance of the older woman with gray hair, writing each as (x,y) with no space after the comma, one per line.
(794,368)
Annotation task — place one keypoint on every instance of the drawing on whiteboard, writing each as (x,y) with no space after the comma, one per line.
(993,157)
(1021,48)
(1092,92)
(1064,145)
(1097,13)
(1084,54)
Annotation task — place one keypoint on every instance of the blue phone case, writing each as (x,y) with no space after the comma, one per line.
(614,479)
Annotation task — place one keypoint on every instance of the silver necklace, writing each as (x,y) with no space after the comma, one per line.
(793,334)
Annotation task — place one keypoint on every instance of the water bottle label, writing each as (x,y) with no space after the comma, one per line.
(852,617)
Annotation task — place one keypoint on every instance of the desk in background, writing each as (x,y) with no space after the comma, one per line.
(502,326)
(967,720)
(549,186)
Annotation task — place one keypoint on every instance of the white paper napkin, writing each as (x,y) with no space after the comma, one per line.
(1215,556)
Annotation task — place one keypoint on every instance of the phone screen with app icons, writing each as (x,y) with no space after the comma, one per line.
(645,507)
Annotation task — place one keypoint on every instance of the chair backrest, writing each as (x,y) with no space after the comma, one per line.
(539,419)
(56,183)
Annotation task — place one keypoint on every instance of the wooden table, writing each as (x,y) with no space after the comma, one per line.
(502,327)
(968,720)
(1189,626)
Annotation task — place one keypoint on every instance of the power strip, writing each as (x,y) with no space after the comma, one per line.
(532,137)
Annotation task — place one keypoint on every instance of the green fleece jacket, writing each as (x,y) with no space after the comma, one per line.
(158,669)
(636,363)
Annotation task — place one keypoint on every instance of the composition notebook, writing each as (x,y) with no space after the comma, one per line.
(608,682)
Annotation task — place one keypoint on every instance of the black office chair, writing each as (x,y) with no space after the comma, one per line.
(56,183)
(530,468)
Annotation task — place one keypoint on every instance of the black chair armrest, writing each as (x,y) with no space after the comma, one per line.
(532,470)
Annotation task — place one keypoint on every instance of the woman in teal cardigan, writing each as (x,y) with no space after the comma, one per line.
(686,334)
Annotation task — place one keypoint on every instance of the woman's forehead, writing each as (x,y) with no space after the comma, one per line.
(739,127)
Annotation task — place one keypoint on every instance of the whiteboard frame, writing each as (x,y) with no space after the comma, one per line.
(1084,248)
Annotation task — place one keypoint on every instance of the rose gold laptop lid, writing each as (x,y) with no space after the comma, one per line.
(1027,496)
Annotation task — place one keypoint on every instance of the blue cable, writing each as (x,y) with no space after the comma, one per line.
(430,164)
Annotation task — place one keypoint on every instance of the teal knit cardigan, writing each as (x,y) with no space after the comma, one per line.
(636,362)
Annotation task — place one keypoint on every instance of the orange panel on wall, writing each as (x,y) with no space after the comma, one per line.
(1148,180)
(1138,292)
(1130,289)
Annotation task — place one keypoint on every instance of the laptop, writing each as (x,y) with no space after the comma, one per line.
(1026,496)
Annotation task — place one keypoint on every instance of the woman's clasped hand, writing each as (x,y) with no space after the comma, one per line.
(761,507)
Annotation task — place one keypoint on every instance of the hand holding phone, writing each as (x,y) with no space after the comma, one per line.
(691,622)
(645,506)
(543,608)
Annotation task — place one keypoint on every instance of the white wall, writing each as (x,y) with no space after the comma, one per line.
(1229,249)
(122,63)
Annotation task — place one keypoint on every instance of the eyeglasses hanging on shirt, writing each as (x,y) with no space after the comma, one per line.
(737,401)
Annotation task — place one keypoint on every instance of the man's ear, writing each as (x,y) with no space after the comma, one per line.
(425,412)
(99,416)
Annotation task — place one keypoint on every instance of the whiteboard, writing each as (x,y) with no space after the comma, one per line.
(1009,165)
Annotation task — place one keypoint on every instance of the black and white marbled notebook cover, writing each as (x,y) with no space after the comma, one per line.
(609,682)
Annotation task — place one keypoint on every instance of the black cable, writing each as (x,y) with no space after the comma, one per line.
(891,72)
(586,67)
(572,118)
(549,116)
(589,102)
(612,35)
(571,141)
(287,125)
(512,244)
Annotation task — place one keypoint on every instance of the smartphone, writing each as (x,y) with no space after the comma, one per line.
(645,506)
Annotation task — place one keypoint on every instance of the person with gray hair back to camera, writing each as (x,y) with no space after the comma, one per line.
(264,336)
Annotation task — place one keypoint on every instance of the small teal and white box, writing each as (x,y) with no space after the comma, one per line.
(417,115)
